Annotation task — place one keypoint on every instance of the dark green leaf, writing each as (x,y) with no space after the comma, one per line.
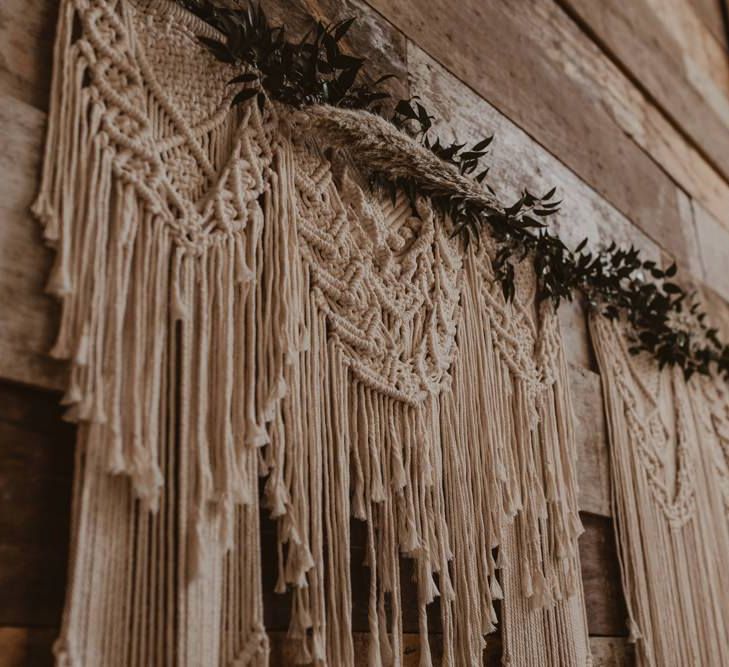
(244,95)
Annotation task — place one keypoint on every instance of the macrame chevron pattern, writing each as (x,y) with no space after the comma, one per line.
(237,306)
(711,404)
(669,468)
(387,278)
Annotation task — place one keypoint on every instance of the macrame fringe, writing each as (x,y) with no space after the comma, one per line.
(260,314)
(669,469)
(512,477)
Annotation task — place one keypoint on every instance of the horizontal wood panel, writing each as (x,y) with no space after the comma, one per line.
(586,64)
(645,48)
(508,53)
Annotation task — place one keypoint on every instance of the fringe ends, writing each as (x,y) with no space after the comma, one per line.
(201,360)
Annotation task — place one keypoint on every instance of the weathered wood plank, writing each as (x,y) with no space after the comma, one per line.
(604,599)
(592,442)
(611,652)
(705,58)
(637,118)
(28,318)
(701,19)
(36,467)
(713,241)
(634,113)
(27,29)
(709,13)
(509,53)
(630,33)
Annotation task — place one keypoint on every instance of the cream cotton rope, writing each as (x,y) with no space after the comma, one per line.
(236,307)
(669,446)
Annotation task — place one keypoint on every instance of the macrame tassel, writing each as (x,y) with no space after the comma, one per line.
(60,152)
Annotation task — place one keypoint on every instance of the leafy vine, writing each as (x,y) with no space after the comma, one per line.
(665,320)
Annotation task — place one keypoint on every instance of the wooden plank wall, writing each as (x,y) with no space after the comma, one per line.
(624,106)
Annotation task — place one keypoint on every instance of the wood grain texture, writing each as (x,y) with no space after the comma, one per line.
(28,318)
(630,33)
(584,63)
(700,42)
(604,599)
(709,13)
(508,52)
(611,652)
(592,442)
(713,241)
(699,26)
(27,30)
(516,160)
(36,466)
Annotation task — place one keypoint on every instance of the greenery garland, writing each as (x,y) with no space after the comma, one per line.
(666,321)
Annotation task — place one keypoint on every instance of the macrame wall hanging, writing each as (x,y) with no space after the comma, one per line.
(238,306)
(669,447)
